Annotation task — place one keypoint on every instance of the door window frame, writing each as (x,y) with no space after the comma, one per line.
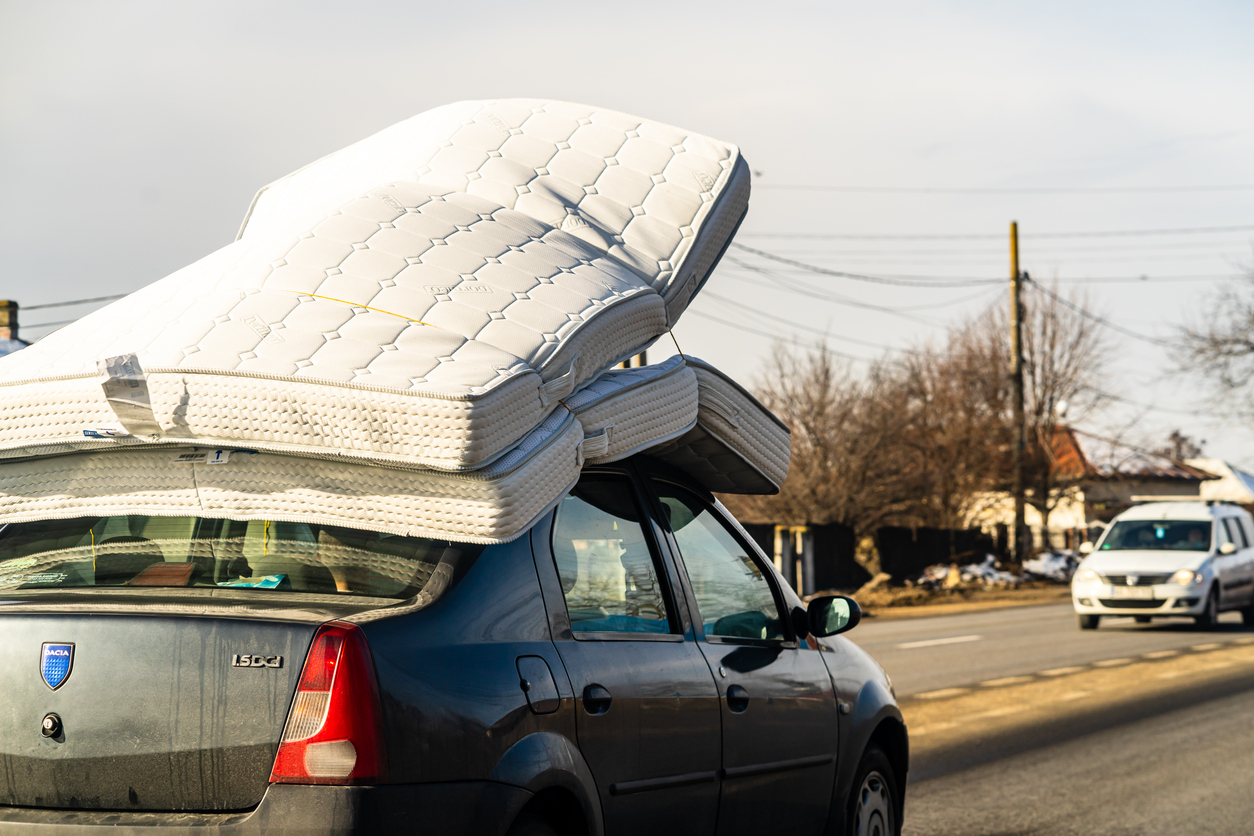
(652,475)
(678,611)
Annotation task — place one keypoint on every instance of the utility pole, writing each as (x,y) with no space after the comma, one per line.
(1016,381)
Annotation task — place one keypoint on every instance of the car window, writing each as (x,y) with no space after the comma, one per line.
(1235,535)
(1225,533)
(265,556)
(1166,535)
(733,595)
(608,572)
(1238,532)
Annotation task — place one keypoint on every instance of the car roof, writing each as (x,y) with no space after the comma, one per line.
(1178,511)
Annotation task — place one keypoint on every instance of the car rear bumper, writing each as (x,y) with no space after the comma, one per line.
(483,808)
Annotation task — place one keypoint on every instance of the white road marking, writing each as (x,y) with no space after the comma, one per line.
(941,694)
(1063,671)
(937,642)
(1006,680)
(1205,647)
(1111,663)
(1161,654)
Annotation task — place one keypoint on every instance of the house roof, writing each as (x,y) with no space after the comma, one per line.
(1078,455)
(1234,485)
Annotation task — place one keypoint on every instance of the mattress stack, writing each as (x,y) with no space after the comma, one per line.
(416,334)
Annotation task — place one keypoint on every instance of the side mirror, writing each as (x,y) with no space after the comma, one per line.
(832,614)
(1086,547)
(1228,548)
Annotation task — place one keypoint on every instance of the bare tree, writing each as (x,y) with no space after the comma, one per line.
(1222,350)
(920,439)
(841,429)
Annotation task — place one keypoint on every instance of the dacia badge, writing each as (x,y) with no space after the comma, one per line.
(55,663)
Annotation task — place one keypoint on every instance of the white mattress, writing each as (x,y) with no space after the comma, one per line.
(421,298)
(737,445)
(621,413)
(662,201)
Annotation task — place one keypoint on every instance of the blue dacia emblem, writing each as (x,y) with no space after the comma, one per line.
(55,663)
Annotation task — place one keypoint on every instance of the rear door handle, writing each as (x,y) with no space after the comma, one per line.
(737,699)
(596,699)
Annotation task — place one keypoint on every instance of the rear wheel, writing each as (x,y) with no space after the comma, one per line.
(1142,619)
(1088,621)
(873,805)
(529,824)
(1247,615)
(1210,616)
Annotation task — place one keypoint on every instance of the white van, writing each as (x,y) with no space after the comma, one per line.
(1169,559)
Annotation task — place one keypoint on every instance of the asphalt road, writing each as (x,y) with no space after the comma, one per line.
(933,653)
(1172,763)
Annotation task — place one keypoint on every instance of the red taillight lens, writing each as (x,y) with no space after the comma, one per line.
(333,733)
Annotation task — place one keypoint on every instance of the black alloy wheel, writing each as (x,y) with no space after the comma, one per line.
(873,805)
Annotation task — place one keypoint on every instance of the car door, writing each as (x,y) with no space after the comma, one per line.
(648,708)
(1238,588)
(778,707)
(1228,566)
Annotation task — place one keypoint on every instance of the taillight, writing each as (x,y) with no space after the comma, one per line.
(333,735)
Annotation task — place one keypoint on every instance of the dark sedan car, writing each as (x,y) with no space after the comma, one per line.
(632,665)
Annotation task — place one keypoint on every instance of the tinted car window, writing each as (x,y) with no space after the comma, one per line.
(259,555)
(733,594)
(608,572)
(1174,535)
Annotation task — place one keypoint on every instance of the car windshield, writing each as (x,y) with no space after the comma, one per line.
(1165,535)
(262,555)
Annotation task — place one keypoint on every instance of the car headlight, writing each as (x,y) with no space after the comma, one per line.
(1087,576)
(1186,577)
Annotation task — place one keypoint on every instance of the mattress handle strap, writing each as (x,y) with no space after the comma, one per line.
(560,386)
(597,444)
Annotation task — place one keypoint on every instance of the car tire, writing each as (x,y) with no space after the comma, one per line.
(1088,621)
(1142,619)
(529,824)
(1210,616)
(1247,616)
(874,808)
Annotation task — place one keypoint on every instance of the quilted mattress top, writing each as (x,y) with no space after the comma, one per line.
(421,298)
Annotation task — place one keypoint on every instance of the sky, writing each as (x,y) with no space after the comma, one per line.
(134,136)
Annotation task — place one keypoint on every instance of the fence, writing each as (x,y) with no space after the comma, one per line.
(906,552)
(812,558)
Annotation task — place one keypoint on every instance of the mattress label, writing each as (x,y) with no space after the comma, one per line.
(126,389)
(204,457)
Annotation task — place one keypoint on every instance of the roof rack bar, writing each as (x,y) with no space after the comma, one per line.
(1206,501)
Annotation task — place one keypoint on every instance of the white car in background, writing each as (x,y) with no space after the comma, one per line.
(1169,559)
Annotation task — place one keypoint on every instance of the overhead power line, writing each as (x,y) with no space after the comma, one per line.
(995,190)
(49,324)
(1092,317)
(773,336)
(824,271)
(71,302)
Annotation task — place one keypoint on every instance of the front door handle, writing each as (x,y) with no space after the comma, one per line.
(737,699)
(596,699)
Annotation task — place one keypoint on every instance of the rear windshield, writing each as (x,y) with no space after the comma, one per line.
(262,555)
(1166,535)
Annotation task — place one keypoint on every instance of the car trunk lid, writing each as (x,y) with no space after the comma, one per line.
(163,712)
